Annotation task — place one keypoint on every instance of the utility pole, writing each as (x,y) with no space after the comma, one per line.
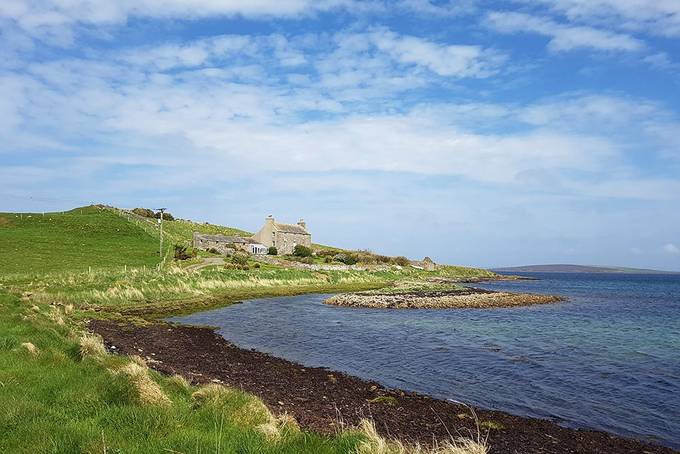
(160,222)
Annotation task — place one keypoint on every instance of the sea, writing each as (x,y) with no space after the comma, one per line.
(608,358)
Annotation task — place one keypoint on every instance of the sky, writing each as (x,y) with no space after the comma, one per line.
(488,133)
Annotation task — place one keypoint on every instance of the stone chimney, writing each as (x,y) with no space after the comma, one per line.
(302,224)
(269,219)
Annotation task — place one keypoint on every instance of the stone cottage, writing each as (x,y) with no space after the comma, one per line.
(227,244)
(284,237)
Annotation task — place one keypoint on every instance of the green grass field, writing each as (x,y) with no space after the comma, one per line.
(72,241)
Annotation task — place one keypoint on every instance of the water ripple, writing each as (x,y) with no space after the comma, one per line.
(606,359)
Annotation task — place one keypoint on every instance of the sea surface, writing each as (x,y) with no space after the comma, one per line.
(608,358)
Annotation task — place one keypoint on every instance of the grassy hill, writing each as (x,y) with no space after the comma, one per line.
(73,241)
(93,237)
(177,231)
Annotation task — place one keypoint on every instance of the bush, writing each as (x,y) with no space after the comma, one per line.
(347,259)
(302,251)
(402,261)
(183,252)
(166,216)
(308,260)
(272,251)
(212,250)
(145,212)
(327,252)
(234,266)
(239,259)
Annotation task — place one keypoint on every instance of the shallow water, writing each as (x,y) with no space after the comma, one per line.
(609,358)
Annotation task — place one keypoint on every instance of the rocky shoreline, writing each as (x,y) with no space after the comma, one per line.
(453,298)
(326,401)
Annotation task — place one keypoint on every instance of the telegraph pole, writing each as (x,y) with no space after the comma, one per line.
(160,222)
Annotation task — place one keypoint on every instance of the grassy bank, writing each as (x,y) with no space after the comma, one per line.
(62,268)
(83,400)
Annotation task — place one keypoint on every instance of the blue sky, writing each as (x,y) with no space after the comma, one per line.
(475,132)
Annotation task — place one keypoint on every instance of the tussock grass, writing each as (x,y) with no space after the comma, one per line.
(246,411)
(148,391)
(373,443)
(210,394)
(179,383)
(139,361)
(30,348)
(55,316)
(91,346)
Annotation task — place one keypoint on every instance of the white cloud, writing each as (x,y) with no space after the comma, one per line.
(658,17)
(438,8)
(671,248)
(196,53)
(442,59)
(247,125)
(54,21)
(563,37)
(661,60)
(213,108)
(33,14)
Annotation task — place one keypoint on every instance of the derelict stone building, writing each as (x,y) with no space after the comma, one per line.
(225,244)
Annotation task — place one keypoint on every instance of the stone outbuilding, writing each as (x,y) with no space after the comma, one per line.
(284,237)
(426,264)
(228,244)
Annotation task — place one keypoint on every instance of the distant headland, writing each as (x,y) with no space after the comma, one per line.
(566,268)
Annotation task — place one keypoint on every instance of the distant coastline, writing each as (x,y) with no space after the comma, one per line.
(567,268)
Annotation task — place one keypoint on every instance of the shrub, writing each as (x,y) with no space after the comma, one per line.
(239,259)
(307,260)
(402,261)
(347,259)
(302,251)
(183,253)
(272,251)
(212,250)
(234,266)
(326,252)
(166,216)
(147,213)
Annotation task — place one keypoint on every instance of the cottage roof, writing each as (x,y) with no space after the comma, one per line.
(290,228)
